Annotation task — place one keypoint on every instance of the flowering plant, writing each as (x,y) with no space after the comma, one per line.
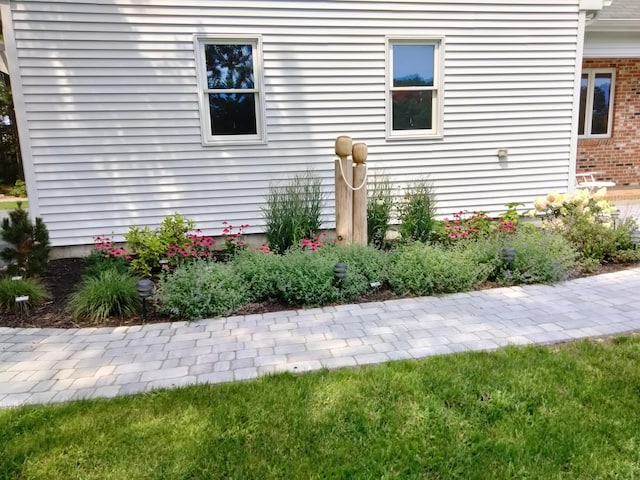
(581,203)
(233,242)
(104,246)
(197,246)
(466,225)
(264,248)
(313,244)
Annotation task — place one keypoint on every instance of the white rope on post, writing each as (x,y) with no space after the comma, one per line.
(346,182)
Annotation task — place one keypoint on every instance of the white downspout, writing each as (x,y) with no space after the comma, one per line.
(575,111)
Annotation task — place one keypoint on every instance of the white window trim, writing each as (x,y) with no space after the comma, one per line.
(201,70)
(588,112)
(438,79)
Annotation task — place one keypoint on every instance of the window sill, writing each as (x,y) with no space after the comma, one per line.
(414,138)
(234,143)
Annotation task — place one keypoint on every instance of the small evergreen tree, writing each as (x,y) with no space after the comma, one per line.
(28,254)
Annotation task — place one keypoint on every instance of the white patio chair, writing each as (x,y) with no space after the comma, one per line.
(588,180)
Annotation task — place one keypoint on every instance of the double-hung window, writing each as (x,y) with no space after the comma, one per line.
(596,103)
(414,87)
(231,94)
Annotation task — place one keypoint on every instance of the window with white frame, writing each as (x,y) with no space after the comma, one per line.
(230,83)
(414,87)
(596,103)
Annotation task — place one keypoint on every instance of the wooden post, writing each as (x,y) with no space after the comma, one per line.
(344,177)
(359,154)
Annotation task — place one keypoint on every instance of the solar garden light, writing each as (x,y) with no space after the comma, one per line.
(340,272)
(145,290)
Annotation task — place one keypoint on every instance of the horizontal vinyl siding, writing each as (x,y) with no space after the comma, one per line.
(112,104)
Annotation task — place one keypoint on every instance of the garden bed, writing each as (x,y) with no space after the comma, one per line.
(196,279)
(63,275)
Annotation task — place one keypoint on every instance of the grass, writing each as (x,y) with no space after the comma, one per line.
(13,205)
(32,288)
(110,293)
(530,412)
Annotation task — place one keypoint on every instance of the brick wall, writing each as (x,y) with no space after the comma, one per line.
(619,156)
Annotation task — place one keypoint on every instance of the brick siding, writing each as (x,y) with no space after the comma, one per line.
(617,157)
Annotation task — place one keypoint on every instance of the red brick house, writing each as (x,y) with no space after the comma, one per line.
(609,118)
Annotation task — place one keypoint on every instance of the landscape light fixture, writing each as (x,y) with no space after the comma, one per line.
(508,256)
(340,272)
(145,290)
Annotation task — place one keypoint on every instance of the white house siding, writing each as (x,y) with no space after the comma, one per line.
(111,104)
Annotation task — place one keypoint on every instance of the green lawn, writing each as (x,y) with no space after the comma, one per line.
(537,413)
(13,205)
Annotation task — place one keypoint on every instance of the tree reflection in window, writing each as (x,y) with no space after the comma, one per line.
(231,89)
(413,90)
(601,96)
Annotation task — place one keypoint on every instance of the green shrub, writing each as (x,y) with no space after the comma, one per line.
(626,256)
(423,269)
(201,289)
(150,246)
(19,189)
(486,252)
(365,265)
(585,219)
(293,211)
(417,212)
(306,278)
(260,272)
(595,240)
(28,253)
(109,294)
(379,208)
(29,287)
(541,256)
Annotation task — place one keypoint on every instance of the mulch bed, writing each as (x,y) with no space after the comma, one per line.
(63,275)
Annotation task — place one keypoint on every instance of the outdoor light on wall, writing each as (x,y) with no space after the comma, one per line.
(340,272)
(145,290)
(503,154)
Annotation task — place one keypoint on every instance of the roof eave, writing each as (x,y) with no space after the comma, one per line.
(617,25)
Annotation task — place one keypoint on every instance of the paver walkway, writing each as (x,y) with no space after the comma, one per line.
(54,365)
